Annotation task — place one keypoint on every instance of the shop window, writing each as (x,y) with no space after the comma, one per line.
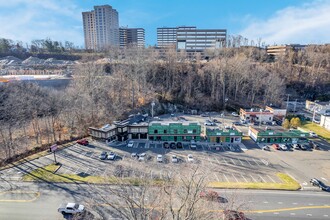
(165,131)
(156,131)
(185,131)
(175,131)
(194,131)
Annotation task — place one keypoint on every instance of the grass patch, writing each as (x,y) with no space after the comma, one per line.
(47,174)
(320,131)
(246,138)
(288,184)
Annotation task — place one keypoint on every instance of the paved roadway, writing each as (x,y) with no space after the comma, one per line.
(40,201)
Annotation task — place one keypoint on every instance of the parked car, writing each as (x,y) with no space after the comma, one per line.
(312,134)
(134,155)
(303,147)
(320,184)
(208,123)
(193,145)
(216,121)
(103,155)
(205,115)
(234,114)
(111,156)
(289,146)
(130,144)
(233,215)
(190,158)
(179,145)
(82,142)
(142,156)
(174,159)
(166,145)
(296,146)
(267,148)
(276,146)
(283,147)
(159,158)
(236,123)
(71,208)
(172,145)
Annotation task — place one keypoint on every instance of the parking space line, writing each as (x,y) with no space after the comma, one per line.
(217,160)
(262,178)
(244,178)
(233,161)
(77,170)
(253,178)
(271,178)
(225,161)
(255,162)
(234,177)
(240,161)
(216,177)
(248,162)
(225,177)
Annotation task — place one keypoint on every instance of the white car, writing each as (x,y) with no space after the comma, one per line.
(111,156)
(190,158)
(71,208)
(130,144)
(159,158)
(209,123)
(142,156)
(174,159)
(234,114)
(312,134)
(283,147)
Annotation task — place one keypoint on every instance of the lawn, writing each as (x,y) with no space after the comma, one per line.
(288,184)
(320,131)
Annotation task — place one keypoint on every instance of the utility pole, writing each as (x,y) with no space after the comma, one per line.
(287,102)
(152,109)
(295,104)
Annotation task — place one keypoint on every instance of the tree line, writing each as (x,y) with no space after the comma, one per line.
(128,80)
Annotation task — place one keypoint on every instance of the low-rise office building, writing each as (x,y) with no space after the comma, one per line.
(107,133)
(174,131)
(319,107)
(217,135)
(277,112)
(256,115)
(261,135)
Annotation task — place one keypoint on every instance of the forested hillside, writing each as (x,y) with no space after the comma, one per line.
(128,80)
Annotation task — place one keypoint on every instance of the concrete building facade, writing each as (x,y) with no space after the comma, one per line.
(256,115)
(131,37)
(325,122)
(223,136)
(101,28)
(191,39)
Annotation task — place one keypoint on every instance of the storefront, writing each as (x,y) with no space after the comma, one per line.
(174,131)
(260,135)
(223,136)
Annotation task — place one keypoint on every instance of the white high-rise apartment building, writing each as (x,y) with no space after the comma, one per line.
(101,27)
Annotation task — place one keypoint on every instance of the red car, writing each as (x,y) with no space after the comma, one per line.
(209,195)
(276,147)
(233,215)
(83,142)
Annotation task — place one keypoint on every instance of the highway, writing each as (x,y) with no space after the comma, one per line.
(39,201)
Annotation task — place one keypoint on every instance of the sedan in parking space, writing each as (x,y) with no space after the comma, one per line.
(166,145)
(83,142)
(179,145)
(174,159)
(134,155)
(303,147)
(208,123)
(312,134)
(103,155)
(190,158)
(159,158)
(130,144)
(267,148)
(172,145)
(296,146)
(142,156)
(234,114)
(111,156)
(283,147)
(276,146)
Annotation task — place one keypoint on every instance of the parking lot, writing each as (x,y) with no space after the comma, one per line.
(221,165)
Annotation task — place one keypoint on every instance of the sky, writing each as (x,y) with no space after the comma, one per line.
(274,21)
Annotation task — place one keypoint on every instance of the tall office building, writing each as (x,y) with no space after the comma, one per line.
(191,39)
(131,36)
(101,27)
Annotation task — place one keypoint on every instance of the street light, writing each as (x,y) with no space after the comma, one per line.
(152,108)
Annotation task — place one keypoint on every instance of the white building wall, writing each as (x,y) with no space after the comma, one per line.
(325,122)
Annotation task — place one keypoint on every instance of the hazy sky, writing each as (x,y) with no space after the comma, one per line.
(274,21)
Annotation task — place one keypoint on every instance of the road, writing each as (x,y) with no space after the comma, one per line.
(40,201)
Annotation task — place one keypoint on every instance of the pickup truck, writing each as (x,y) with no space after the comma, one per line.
(71,208)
